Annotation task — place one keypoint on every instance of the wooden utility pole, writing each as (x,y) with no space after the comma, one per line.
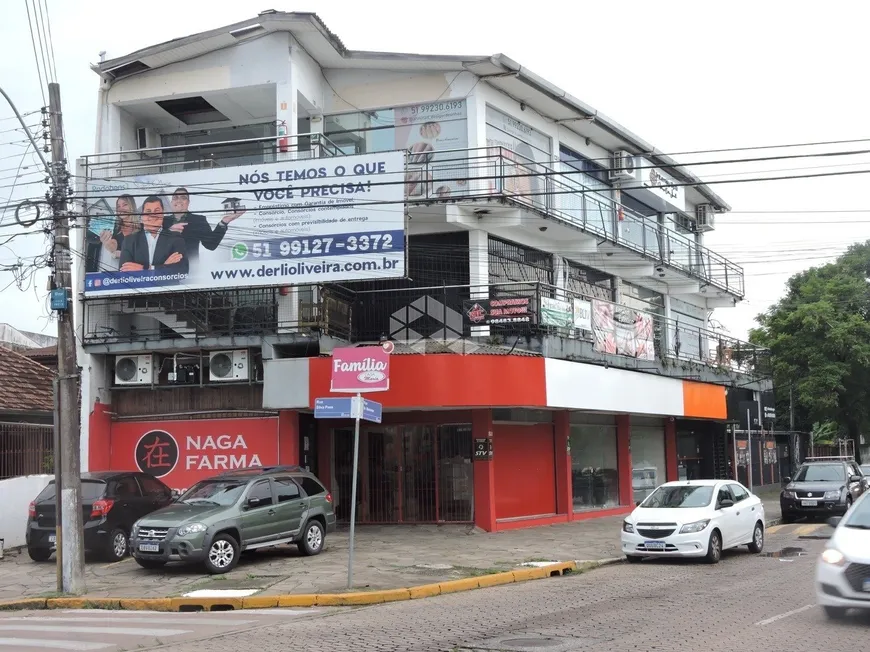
(69,492)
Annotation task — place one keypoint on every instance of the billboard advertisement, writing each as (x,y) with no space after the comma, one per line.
(288,223)
(182,453)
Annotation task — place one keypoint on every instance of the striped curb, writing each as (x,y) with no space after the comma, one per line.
(307,600)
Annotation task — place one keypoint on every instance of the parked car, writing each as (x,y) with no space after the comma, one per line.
(822,487)
(217,519)
(111,502)
(843,569)
(694,518)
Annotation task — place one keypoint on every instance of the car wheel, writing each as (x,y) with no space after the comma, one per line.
(39,554)
(848,502)
(757,544)
(714,548)
(223,555)
(150,564)
(633,559)
(312,539)
(116,547)
(835,613)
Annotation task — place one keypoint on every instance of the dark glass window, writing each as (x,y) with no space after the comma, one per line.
(286,489)
(311,486)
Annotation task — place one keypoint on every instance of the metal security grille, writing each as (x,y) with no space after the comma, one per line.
(408,474)
(25,449)
(513,263)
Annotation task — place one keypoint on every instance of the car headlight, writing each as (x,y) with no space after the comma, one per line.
(627,527)
(135,530)
(193,528)
(833,557)
(789,494)
(832,495)
(697,526)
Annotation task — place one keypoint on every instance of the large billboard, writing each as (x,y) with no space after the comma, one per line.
(288,223)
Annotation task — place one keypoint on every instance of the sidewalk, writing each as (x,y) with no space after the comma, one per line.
(386,557)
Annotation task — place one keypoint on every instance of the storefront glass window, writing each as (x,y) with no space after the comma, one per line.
(594,473)
(647,456)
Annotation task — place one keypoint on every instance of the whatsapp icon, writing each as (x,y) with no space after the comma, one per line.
(240,251)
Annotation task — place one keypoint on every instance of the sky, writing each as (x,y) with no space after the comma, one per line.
(684,76)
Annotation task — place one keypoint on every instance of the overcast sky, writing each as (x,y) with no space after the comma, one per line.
(685,76)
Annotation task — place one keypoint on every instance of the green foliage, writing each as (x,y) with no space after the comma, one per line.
(825,434)
(819,338)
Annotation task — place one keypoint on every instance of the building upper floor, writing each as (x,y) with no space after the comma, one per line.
(487,144)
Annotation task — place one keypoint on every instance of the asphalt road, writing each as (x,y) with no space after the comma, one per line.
(745,602)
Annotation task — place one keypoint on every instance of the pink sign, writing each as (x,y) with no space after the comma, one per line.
(358,369)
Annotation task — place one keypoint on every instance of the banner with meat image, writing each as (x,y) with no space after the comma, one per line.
(620,330)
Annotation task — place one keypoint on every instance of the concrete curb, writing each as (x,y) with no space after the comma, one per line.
(308,600)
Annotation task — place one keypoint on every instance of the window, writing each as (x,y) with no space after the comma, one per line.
(126,487)
(594,474)
(91,490)
(151,486)
(724,494)
(739,492)
(853,469)
(524,153)
(286,489)
(311,486)
(261,492)
(647,455)
(513,263)
(585,175)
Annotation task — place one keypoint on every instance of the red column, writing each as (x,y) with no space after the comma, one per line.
(99,439)
(564,490)
(623,459)
(484,474)
(324,453)
(671,472)
(288,437)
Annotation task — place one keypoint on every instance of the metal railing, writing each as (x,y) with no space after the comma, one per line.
(473,174)
(442,313)
(26,449)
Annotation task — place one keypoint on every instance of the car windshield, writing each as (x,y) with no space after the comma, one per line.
(821,473)
(681,496)
(865,469)
(859,516)
(217,492)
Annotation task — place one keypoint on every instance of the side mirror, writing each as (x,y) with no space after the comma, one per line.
(726,503)
(786,479)
(637,504)
(855,478)
(175,494)
(253,502)
(834,521)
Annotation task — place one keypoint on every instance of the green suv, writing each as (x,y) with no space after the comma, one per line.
(217,519)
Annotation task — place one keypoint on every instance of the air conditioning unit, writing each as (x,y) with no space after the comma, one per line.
(135,370)
(705,217)
(148,139)
(623,166)
(224,366)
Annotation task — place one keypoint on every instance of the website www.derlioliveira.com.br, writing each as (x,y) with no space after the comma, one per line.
(305,269)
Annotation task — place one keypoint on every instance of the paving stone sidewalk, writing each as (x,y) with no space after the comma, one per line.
(385,557)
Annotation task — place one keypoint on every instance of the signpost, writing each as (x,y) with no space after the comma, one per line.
(356,370)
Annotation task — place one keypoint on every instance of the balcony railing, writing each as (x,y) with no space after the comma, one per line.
(511,315)
(464,175)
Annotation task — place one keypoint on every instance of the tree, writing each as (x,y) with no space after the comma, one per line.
(819,338)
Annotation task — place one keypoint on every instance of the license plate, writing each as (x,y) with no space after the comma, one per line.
(52,538)
(810,503)
(654,545)
(149,547)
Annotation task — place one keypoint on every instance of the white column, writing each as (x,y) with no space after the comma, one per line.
(478,272)
(285,111)
(666,327)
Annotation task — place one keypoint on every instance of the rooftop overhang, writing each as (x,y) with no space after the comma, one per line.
(500,71)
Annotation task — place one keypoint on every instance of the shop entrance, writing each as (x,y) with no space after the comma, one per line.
(407,474)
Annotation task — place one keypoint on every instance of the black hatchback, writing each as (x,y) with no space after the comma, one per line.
(111,502)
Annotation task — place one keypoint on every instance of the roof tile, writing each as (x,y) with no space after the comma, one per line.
(25,385)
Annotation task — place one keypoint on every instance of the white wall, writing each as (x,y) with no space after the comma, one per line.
(379,89)
(17,494)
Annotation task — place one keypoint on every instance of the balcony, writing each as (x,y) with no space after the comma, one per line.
(471,176)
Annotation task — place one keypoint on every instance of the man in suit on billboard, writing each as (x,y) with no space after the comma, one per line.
(154,247)
(194,228)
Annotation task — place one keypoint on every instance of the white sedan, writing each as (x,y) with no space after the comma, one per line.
(694,518)
(843,570)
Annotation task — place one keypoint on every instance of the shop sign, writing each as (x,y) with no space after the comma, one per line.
(358,369)
(509,310)
(483,448)
(181,453)
(582,314)
(556,312)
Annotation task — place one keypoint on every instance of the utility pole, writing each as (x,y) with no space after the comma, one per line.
(69,492)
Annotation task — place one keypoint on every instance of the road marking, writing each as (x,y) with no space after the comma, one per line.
(785,615)
(119,631)
(138,619)
(774,529)
(18,643)
(807,529)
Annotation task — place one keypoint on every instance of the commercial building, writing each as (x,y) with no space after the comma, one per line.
(540,271)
